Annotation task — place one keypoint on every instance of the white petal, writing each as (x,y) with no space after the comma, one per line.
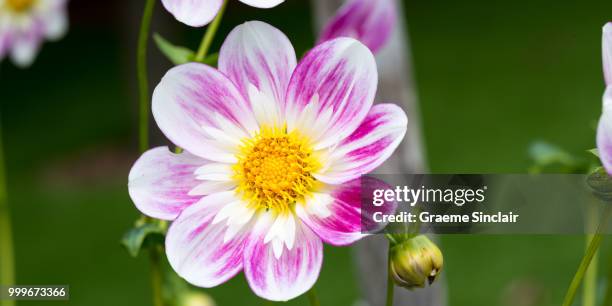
(265,108)
(196,249)
(281,277)
(56,24)
(367,147)
(606,46)
(342,72)
(604,132)
(258,54)
(160,182)
(215,172)
(262,3)
(25,49)
(208,187)
(227,210)
(370,21)
(191,96)
(348,220)
(195,13)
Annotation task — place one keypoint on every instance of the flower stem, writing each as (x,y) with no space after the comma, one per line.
(210,34)
(143,133)
(156,275)
(390,285)
(588,256)
(143,82)
(313,298)
(589,288)
(608,294)
(7,259)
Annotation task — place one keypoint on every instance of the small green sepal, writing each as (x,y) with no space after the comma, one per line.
(144,232)
(176,54)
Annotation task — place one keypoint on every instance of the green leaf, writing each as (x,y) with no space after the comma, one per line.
(176,54)
(544,153)
(141,234)
(549,158)
(594,152)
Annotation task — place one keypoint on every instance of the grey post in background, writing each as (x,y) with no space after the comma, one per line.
(395,85)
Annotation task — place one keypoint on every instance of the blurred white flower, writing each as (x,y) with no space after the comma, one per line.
(370,21)
(26,24)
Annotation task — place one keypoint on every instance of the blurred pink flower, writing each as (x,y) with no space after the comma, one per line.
(25,24)
(370,21)
(197,13)
(604,129)
(274,150)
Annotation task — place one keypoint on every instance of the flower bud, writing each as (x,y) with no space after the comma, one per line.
(601,184)
(195,298)
(415,261)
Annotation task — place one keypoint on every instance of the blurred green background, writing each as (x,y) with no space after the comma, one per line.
(492,77)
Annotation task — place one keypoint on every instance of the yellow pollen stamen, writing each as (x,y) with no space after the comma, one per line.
(19,5)
(274,169)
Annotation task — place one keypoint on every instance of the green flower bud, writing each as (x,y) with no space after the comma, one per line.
(195,298)
(414,262)
(601,184)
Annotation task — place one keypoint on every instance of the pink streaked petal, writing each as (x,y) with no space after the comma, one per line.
(340,75)
(604,132)
(195,13)
(259,54)
(289,276)
(195,246)
(160,182)
(349,212)
(367,147)
(192,97)
(262,3)
(370,21)
(606,46)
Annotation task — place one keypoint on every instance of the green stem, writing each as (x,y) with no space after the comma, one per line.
(143,133)
(143,82)
(390,285)
(156,275)
(7,259)
(392,240)
(210,34)
(586,260)
(313,298)
(608,295)
(589,288)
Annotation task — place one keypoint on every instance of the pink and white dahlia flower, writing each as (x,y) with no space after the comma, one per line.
(370,21)
(604,129)
(274,150)
(25,24)
(198,13)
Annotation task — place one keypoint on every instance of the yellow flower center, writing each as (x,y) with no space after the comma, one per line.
(19,5)
(274,169)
